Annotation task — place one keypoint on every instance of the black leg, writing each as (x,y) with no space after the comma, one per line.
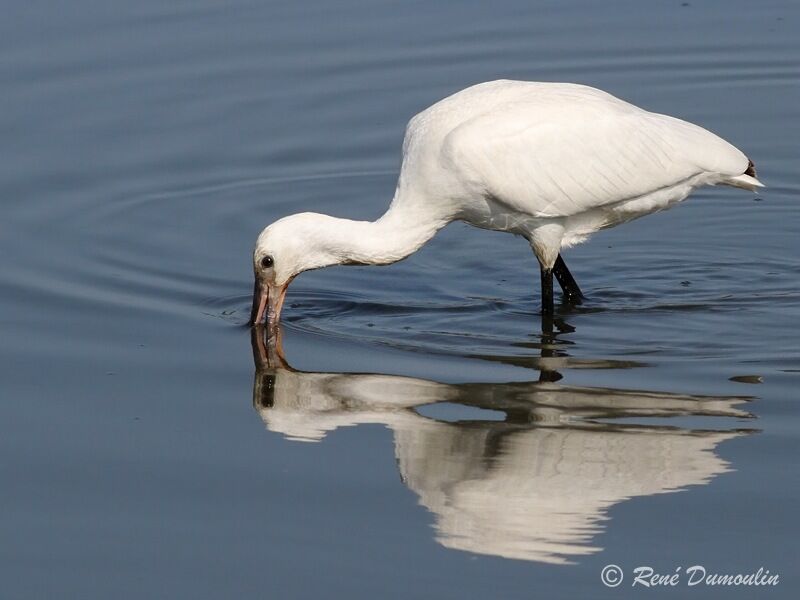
(547,290)
(572,293)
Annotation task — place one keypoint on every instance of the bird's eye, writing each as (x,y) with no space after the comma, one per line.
(266,262)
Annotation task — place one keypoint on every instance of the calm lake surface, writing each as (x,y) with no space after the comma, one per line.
(151,448)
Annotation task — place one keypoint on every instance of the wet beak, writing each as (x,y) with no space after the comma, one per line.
(267,304)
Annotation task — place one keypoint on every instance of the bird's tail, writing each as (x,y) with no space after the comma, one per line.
(746,180)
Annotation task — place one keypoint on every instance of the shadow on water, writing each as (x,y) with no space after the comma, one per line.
(553,355)
(533,468)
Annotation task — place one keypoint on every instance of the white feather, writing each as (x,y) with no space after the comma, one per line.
(553,162)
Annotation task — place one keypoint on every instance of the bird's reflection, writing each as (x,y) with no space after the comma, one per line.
(536,485)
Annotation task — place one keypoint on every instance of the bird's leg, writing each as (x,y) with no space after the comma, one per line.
(547,290)
(572,293)
(545,242)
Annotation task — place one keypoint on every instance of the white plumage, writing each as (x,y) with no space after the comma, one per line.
(552,162)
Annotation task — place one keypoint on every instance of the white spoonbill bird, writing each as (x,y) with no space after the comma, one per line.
(552,162)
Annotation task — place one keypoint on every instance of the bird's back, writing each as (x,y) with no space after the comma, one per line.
(553,150)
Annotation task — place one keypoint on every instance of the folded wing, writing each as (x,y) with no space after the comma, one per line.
(561,158)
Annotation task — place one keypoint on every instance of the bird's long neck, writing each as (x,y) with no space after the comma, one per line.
(401,231)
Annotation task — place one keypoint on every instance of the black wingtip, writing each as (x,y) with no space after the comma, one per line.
(751,169)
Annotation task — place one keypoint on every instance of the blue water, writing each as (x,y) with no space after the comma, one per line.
(420,435)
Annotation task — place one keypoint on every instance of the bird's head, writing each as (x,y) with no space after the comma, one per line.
(284,249)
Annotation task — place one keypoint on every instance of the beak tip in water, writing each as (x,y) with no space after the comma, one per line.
(267,304)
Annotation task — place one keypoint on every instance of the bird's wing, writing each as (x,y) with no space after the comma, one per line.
(563,159)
